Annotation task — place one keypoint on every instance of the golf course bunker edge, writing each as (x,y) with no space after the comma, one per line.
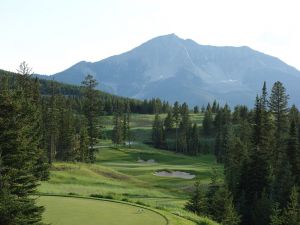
(175,174)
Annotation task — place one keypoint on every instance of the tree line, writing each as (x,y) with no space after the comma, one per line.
(261,155)
(176,132)
(110,103)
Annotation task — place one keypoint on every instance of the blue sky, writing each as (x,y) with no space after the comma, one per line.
(52,35)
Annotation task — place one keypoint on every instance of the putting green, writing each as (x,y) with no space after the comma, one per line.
(79,211)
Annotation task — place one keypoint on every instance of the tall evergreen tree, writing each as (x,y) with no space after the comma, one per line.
(256,172)
(66,141)
(169,121)
(198,202)
(278,104)
(51,124)
(293,152)
(230,215)
(291,215)
(83,143)
(194,142)
(237,155)
(294,115)
(126,124)
(19,152)
(214,107)
(276,215)
(117,133)
(283,181)
(158,135)
(184,129)
(223,210)
(91,110)
(207,123)
(176,116)
(262,210)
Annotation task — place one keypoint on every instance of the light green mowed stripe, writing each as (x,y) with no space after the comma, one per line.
(77,211)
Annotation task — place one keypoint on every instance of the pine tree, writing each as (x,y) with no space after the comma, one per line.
(91,110)
(291,214)
(83,144)
(184,129)
(256,173)
(41,166)
(276,215)
(19,153)
(197,202)
(293,152)
(222,124)
(169,121)
(66,141)
(126,124)
(196,109)
(185,119)
(207,123)
(230,215)
(212,189)
(294,114)
(194,143)
(283,180)
(51,122)
(237,155)
(262,210)
(117,133)
(214,107)
(222,208)
(176,117)
(278,104)
(218,146)
(158,136)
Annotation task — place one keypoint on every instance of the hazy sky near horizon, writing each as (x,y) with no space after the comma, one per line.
(52,35)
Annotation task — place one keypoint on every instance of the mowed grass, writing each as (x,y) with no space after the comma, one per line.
(117,174)
(77,211)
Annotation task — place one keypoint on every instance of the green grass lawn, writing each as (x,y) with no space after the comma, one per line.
(117,174)
(77,211)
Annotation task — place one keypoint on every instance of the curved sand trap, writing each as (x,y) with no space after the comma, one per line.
(176,174)
(149,161)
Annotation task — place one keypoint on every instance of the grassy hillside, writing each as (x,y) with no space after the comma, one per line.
(120,173)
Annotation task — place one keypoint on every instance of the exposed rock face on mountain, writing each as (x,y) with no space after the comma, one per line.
(175,69)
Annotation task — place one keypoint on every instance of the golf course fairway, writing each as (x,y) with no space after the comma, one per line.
(79,211)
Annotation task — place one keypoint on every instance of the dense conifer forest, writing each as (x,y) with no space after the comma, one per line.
(259,149)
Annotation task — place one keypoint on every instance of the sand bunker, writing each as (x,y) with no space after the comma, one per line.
(177,174)
(130,143)
(149,161)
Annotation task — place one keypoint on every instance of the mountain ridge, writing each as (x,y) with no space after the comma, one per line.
(173,69)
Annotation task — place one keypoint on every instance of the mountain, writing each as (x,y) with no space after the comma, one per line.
(176,69)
